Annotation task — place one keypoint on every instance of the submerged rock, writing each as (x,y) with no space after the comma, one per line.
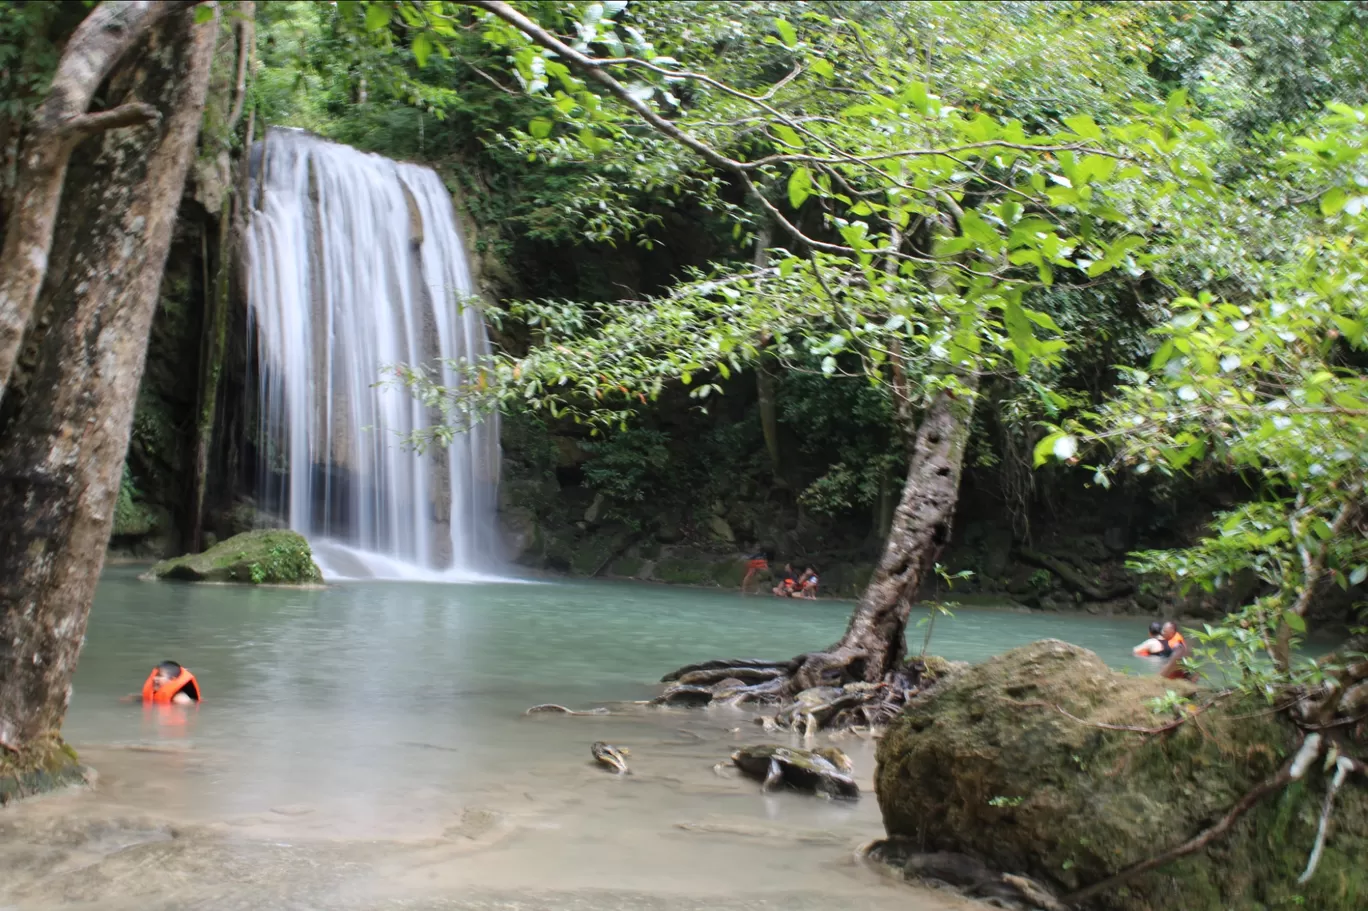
(265,556)
(610,757)
(45,766)
(962,873)
(987,765)
(821,771)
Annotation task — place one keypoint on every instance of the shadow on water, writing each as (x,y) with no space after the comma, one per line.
(364,746)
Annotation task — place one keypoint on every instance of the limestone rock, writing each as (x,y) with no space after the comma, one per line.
(266,556)
(985,765)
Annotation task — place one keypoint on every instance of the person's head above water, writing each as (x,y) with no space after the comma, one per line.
(1168,629)
(167,670)
(170,682)
(1156,628)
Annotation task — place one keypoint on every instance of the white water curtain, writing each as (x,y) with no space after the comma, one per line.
(356,263)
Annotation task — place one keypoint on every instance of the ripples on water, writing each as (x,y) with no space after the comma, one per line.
(365,744)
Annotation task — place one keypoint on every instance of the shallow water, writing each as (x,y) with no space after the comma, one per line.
(364,746)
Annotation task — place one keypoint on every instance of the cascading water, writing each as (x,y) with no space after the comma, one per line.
(355,263)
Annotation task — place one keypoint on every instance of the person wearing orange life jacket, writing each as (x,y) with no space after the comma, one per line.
(169,684)
(1178,647)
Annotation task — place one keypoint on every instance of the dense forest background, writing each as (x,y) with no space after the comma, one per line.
(786,460)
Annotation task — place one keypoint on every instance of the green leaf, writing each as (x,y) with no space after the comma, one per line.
(377,16)
(823,68)
(540,127)
(973,226)
(1294,621)
(203,13)
(1084,126)
(1333,202)
(422,47)
(786,32)
(799,187)
(1045,447)
(787,135)
(1358,575)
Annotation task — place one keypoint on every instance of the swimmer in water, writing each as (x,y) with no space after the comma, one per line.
(1178,650)
(1154,646)
(170,684)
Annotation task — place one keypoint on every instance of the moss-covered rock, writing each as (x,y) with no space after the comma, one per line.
(985,765)
(46,766)
(266,556)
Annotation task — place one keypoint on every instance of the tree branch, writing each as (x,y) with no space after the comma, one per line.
(135,113)
(90,54)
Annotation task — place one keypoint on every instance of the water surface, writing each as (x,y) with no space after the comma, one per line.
(364,746)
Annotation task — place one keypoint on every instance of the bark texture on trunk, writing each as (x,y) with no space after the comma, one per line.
(61,454)
(59,124)
(874,642)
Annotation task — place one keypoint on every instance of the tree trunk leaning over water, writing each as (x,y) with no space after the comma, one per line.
(874,643)
(62,452)
(60,123)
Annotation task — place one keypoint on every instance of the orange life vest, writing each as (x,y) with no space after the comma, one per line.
(186,681)
(1176,640)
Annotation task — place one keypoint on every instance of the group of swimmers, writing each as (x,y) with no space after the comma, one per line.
(790,584)
(803,585)
(1167,643)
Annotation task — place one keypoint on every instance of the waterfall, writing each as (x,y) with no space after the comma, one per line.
(355,263)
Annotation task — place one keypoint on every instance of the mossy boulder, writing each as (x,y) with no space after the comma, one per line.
(266,556)
(986,765)
(45,766)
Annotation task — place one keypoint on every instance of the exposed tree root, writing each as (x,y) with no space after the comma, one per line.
(1343,765)
(814,691)
(550,708)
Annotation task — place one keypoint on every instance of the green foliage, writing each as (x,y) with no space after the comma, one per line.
(285,563)
(131,516)
(1270,384)
(29,38)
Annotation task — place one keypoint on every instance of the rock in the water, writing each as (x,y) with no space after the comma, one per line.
(610,757)
(802,770)
(985,765)
(266,556)
(46,766)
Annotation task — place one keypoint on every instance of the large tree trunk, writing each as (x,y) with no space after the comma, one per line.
(874,643)
(62,451)
(59,124)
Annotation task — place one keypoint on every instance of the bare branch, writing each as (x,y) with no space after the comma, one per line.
(135,113)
